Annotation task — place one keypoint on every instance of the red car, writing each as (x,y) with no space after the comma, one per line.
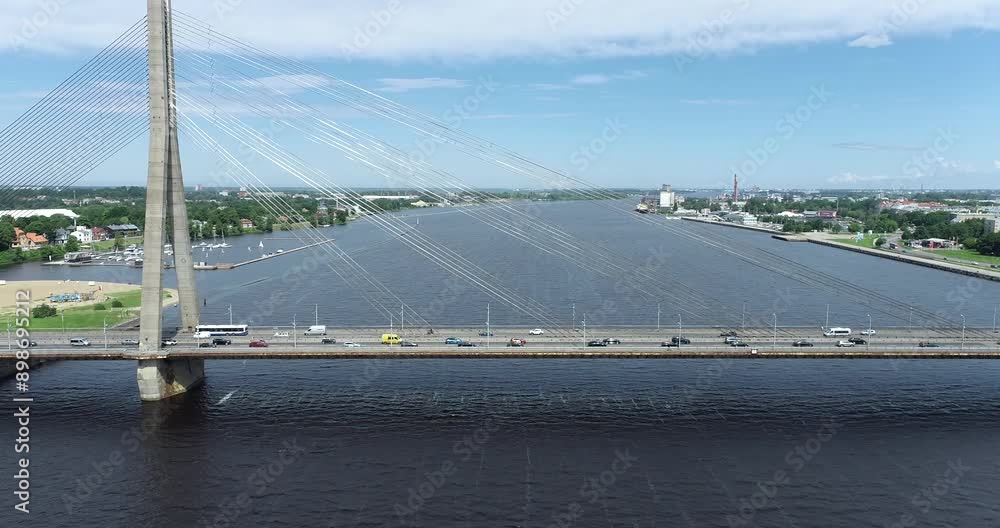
(260,343)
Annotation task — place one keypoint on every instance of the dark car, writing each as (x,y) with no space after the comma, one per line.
(739,344)
(597,343)
(858,341)
(612,341)
(928,344)
(730,333)
(452,341)
(222,341)
(408,344)
(802,344)
(466,344)
(206,345)
(680,340)
(328,341)
(485,334)
(669,344)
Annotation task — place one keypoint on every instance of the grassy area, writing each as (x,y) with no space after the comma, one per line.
(87,318)
(966,254)
(868,242)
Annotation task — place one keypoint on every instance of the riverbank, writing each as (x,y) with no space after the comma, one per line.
(99,303)
(824,239)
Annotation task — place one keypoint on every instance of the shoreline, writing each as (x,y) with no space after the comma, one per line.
(909,259)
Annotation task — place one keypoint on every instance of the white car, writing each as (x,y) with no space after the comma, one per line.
(845,344)
(868,332)
(281,334)
(169,342)
(352,344)
(537,331)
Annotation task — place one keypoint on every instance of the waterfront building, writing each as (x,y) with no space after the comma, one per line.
(668,198)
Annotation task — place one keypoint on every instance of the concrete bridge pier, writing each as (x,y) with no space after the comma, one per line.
(160,379)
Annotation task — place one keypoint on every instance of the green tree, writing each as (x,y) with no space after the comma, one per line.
(879,242)
(72,244)
(119,241)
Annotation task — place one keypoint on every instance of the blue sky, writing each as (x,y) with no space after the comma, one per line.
(788,96)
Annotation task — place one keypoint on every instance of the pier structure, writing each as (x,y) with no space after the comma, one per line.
(162,378)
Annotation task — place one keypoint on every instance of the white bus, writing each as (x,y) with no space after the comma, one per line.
(221,330)
(833,332)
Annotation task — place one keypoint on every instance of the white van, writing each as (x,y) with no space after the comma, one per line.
(316,330)
(79,341)
(833,332)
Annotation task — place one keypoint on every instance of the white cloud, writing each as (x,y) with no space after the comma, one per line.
(871,41)
(436,29)
(424,83)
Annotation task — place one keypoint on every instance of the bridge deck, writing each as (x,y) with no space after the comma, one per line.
(501,352)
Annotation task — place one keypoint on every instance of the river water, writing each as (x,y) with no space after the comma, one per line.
(610,443)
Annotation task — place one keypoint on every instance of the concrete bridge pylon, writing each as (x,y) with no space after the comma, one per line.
(163,378)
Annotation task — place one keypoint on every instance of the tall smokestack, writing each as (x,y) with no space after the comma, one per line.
(736,188)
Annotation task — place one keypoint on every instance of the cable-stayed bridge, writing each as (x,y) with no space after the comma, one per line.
(170,75)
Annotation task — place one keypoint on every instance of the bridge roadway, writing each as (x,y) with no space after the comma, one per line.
(636,343)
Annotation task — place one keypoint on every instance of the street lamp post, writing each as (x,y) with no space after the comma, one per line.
(294,331)
(827,316)
(680,330)
(869,340)
(584,329)
(230,315)
(105,333)
(62,315)
(402,320)
(574,317)
(909,323)
(317,314)
(995,317)
(743,323)
(774,344)
(657,317)
(488,333)
(963,331)
(10,346)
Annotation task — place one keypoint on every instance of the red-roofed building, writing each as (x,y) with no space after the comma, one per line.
(28,241)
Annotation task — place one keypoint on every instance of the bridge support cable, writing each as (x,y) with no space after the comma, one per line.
(81,123)
(277,207)
(366,101)
(356,144)
(439,254)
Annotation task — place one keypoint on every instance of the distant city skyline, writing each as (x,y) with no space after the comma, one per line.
(620,94)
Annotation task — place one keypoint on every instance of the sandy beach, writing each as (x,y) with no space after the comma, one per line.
(92,291)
